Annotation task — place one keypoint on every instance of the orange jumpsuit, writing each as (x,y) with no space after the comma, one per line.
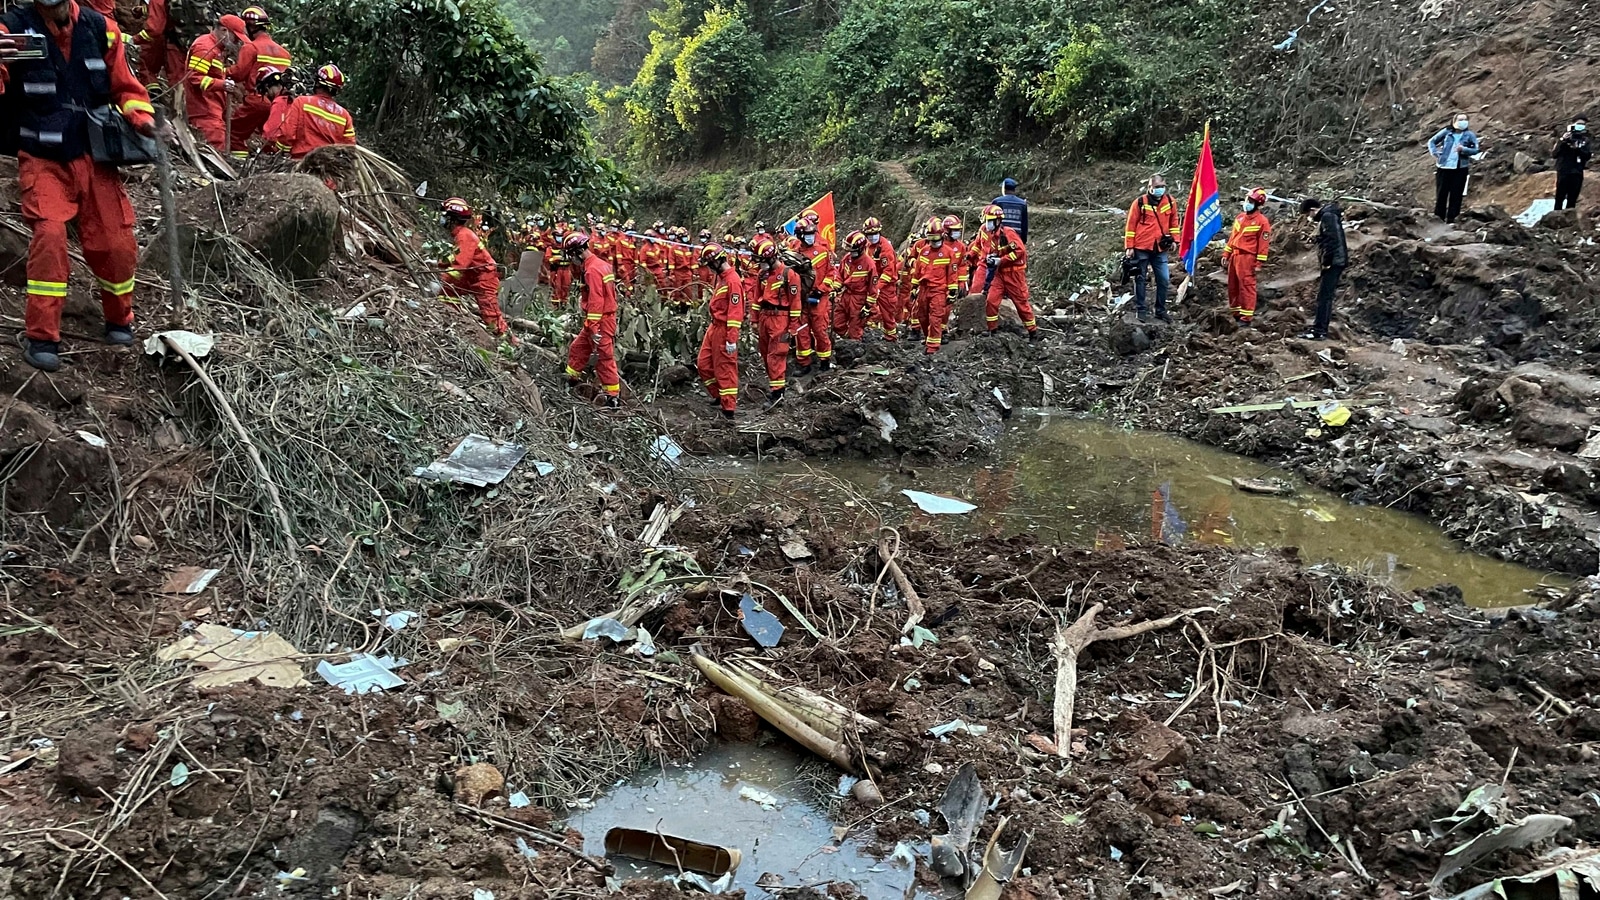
(473,272)
(936,276)
(560,276)
(778,315)
(627,260)
(1011,276)
(605,247)
(653,258)
(314,121)
(719,369)
(79,190)
(204,94)
(160,50)
(815,311)
(888,310)
(599,333)
(252,113)
(859,275)
(1245,254)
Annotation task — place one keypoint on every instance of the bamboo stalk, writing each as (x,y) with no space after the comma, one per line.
(780,718)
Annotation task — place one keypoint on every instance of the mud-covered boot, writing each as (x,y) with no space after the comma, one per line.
(42,355)
(1035,335)
(824,365)
(120,335)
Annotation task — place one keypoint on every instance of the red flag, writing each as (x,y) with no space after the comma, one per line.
(1202,218)
(826,231)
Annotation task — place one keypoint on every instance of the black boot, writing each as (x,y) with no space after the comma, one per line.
(42,355)
(824,365)
(774,398)
(1161,316)
(1144,315)
(727,415)
(1036,335)
(613,403)
(120,335)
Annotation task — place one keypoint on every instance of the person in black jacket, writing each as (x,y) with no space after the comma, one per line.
(1572,154)
(1334,255)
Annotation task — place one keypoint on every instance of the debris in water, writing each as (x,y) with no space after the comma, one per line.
(671,850)
(1272,487)
(476,460)
(760,798)
(934,504)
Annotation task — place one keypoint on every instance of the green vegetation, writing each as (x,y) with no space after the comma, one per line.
(446,87)
(563,32)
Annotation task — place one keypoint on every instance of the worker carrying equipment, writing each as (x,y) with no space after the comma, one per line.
(317,120)
(816,303)
(999,249)
(472,271)
(777,300)
(47,125)
(858,273)
(1245,254)
(254,107)
(718,362)
(597,336)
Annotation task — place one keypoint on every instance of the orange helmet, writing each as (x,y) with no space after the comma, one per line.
(871,226)
(765,248)
(855,241)
(254,15)
(808,223)
(993,213)
(330,77)
(457,208)
(761,228)
(951,223)
(934,227)
(1258,196)
(577,240)
(712,252)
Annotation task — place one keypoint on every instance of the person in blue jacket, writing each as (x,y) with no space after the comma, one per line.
(1452,149)
(1014,207)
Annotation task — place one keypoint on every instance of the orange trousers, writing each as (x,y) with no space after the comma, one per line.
(719,370)
(91,195)
(560,284)
(598,341)
(1242,285)
(1013,285)
(488,301)
(812,334)
(938,313)
(249,118)
(888,313)
(771,326)
(847,320)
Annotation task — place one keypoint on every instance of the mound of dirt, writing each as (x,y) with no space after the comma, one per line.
(290,219)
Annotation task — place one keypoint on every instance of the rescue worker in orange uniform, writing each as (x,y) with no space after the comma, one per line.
(858,297)
(1000,250)
(954,237)
(161,48)
(816,308)
(208,91)
(936,279)
(627,257)
(718,362)
(887,316)
(917,302)
(86,67)
(472,271)
(317,120)
(653,257)
(271,85)
(602,244)
(777,300)
(1245,254)
(1151,233)
(258,51)
(680,268)
(598,335)
(560,266)
(701,281)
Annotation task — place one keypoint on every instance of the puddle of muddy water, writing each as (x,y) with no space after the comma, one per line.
(766,801)
(1082,481)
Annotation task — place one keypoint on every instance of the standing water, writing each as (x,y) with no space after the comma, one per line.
(1081,481)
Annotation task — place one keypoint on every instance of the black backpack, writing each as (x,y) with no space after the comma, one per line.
(803,268)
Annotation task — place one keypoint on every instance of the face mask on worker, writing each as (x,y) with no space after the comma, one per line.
(936,241)
(1461,124)
(808,239)
(990,226)
(1579,127)
(1249,207)
(955,234)
(874,237)
(1158,192)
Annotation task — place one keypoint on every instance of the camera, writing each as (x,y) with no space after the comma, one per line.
(1167,244)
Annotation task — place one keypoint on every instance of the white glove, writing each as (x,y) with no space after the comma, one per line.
(730,348)
(434,289)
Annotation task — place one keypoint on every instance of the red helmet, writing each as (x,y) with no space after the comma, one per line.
(855,241)
(456,208)
(871,226)
(951,223)
(705,234)
(934,227)
(577,240)
(712,252)
(993,213)
(766,249)
(330,77)
(807,224)
(254,15)
(1258,196)
(268,77)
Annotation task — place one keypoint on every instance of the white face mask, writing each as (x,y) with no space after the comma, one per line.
(990,226)
(1461,124)
(874,237)
(955,235)
(1249,207)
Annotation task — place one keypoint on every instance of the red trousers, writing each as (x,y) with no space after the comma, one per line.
(938,313)
(771,326)
(249,118)
(596,338)
(678,287)
(847,318)
(1242,285)
(812,332)
(1008,284)
(719,370)
(889,313)
(211,129)
(90,194)
(560,284)
(488,304)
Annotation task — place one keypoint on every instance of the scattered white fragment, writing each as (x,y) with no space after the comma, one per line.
(937,505)
(93,440)
(518,800)
(197,345)
(363,674)
(666,449)
(761,798)
(944,731)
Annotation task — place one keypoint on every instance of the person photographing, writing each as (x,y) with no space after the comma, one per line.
(1572,153)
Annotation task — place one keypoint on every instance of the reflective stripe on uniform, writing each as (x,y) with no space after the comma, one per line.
(47,288)
(116,287)
(321,113)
